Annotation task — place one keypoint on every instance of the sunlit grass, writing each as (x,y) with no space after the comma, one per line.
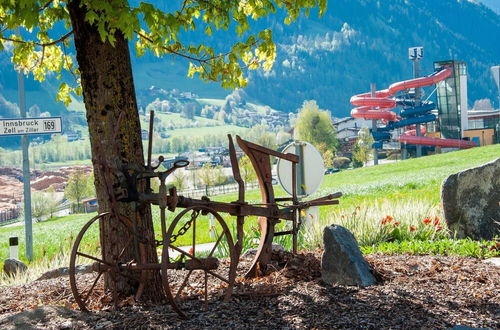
(408,191)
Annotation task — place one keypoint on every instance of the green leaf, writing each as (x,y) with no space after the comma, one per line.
(208,30)
(63,94)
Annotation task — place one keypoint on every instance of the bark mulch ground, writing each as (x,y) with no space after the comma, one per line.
(414,292)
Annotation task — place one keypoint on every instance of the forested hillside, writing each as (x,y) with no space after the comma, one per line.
(327,59)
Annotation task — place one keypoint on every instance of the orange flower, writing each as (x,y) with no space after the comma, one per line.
(438,228)
(427,220)
(396,223)
(436,220)
(412,228)
(191,250)
(387,219)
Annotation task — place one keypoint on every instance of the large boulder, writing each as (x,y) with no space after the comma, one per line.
(471,201)
(342,261)
(12,266)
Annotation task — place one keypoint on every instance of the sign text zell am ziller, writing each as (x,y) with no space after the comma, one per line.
(21,126)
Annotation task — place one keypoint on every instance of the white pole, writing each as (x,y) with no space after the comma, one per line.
(212,224)
(14,247)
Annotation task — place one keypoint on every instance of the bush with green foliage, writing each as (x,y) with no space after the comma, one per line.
(341,162)
(362,148)
(315,126)
(78,187)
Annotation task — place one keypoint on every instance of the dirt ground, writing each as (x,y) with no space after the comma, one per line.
(11,186)
(414,292)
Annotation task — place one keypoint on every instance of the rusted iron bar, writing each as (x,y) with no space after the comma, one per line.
(281,233)
(210,263)
(283,199)
(291,157)
(236,209)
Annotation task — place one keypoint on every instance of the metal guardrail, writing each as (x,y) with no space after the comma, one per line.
(9,214)
(215,190)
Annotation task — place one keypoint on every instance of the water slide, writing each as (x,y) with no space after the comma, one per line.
(378,106)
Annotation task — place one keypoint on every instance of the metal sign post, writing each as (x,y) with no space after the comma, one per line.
(26,172)
(28,126)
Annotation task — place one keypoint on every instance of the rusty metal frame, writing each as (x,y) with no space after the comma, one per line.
(269,213)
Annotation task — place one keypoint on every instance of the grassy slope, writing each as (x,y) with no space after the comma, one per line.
(205,131)
(390,183)
(49,237)
(420,175)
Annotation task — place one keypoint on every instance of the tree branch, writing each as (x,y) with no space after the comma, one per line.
(46,5)
(64,37)
(171,51)
(192,58)
(64,59)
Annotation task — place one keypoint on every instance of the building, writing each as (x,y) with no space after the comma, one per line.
(73,135)
(452,100)
(455,120)
(90,205)
(348,128)
(483,126)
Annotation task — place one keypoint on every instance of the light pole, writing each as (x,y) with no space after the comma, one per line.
(374,125)
(416,54)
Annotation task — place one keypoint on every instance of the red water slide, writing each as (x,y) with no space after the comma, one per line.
(378,106)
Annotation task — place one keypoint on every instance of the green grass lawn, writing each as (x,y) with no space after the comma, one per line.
(50,237)
(177,120)
(407,190)
(205,131)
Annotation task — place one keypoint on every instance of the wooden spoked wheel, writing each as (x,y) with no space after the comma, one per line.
(192,271)
(93,278)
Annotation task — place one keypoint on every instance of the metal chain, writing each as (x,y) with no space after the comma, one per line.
(185,227)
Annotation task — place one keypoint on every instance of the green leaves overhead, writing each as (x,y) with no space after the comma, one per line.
(39,51)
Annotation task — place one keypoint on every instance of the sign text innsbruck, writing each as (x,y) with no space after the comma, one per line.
(21,126)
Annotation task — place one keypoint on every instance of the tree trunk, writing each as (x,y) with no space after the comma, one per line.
(115,136)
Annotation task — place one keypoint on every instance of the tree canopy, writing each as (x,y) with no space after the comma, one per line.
(78,187)
(101,31)
(41,48)
(315,126)
(363,147)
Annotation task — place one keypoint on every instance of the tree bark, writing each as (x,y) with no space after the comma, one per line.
(115,136)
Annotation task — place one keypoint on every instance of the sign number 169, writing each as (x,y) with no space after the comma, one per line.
(49,125)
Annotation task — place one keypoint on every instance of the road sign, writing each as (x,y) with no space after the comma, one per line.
(23,126)
(415,53)
(310,170)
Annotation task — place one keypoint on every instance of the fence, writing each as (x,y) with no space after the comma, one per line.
(215,190)
(9,214)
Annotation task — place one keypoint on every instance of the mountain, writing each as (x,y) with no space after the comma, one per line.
(328,59)
(363,41)
(493,4)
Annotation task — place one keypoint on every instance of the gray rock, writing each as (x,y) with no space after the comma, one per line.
(471,202)
(46,317)
(64,271)
(12,266)
(251,252)
(342,262)
(493,261)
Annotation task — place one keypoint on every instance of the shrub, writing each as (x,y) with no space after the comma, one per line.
(341,162)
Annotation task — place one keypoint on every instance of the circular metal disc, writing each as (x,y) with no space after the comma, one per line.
(312,164)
